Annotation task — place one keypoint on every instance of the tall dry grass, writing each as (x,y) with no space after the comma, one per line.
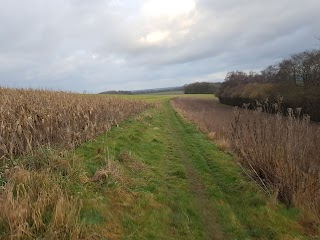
(33,118)
(35,201)
(48,195)
(210,116)
(282,153)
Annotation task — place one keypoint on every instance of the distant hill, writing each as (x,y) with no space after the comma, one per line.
(145,91)
(159,90)
(117,92)
(182,89)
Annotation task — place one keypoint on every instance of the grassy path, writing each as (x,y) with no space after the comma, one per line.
(183,148)
(173,183)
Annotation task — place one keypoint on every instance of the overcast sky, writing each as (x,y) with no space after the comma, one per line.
(97,45)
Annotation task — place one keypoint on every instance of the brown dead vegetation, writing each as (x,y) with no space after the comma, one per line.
(32,118)
(33,205)
(37,202)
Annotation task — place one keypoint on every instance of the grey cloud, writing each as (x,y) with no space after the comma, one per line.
(110,44)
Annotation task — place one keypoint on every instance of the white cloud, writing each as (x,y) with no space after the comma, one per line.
(168,8)
(155,38)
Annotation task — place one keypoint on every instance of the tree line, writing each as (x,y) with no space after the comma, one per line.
(296,80)
(201,88)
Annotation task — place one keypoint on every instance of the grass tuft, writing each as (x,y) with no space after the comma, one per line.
(34,205)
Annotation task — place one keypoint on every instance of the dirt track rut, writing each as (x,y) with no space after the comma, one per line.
(202,202)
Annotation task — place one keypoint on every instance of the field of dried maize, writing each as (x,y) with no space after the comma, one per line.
(33,118)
